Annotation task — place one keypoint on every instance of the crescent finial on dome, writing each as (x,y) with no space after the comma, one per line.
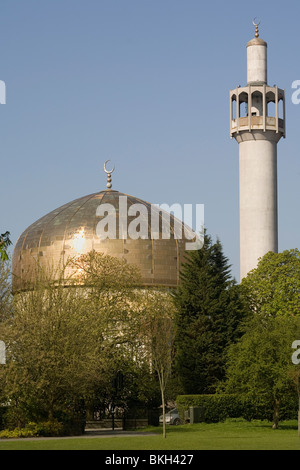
(108,172)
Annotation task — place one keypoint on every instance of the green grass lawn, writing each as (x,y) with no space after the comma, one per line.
(230,435)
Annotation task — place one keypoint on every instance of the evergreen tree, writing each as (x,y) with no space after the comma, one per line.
(209,310)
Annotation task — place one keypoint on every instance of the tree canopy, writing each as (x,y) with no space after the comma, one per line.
(273,288)
(158,333)
(209,310)
(260,365)
(70,340)
(4,244)
(260,362)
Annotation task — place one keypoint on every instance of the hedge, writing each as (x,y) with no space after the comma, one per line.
(218,407)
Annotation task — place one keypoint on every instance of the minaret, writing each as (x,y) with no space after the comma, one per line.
(257,127)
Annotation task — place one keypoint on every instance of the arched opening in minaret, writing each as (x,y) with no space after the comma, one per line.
(271,107)
(243,99)
(280,109)
(243,109)
(233,107)
(256,103)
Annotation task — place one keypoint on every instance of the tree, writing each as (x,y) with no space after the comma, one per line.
(209,310)
(5,291)
(4,244)
(157,327)
(260,365)
(66,343)
(294,373)
(50,361)
(111,289)
(272,294)
(273,288)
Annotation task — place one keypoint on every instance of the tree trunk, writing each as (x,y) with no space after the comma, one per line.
(162,391)
(164,413)
(276,414)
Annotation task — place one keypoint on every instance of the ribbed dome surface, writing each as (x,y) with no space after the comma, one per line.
(71,230)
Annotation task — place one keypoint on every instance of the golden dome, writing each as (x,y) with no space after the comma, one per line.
(71,230)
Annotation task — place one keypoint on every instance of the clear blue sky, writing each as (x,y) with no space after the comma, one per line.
(146,84)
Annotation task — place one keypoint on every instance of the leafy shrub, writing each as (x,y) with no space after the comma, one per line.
(215,408)
(50,429)
(45,429)
(17,433)
(218,407)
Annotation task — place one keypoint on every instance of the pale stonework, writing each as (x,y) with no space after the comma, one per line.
(257,131)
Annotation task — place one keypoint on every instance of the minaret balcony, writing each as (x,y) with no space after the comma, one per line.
(257,107)
(263,123)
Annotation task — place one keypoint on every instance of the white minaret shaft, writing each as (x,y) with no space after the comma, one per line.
(257,128)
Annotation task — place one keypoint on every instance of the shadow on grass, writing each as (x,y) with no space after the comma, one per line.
(291,425)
